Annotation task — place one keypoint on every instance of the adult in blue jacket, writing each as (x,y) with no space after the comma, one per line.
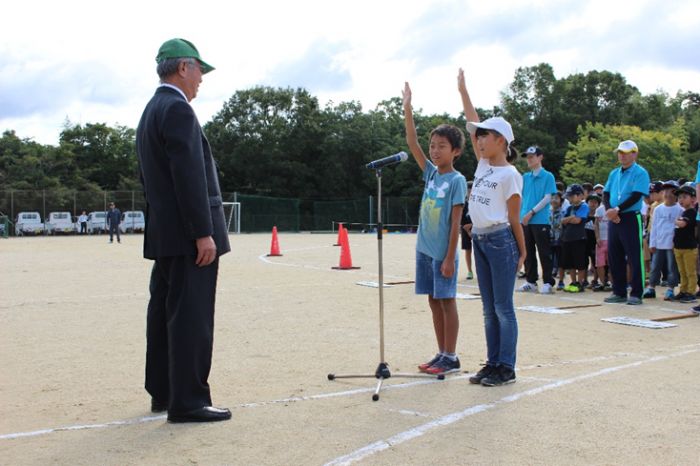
(185,234)
(538,187)
(114,217)
(623,196)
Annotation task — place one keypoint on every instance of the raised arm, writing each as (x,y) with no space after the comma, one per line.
(469,110)
(411,134)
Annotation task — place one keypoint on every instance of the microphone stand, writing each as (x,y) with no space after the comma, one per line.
(382,372)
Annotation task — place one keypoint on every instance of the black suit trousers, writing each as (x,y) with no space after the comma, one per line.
(180,332)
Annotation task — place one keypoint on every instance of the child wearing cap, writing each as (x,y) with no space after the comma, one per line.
(685,245)
(437,262)
(498,242)
(661,235)
(573,249)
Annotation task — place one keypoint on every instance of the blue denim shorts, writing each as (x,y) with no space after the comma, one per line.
(429,279)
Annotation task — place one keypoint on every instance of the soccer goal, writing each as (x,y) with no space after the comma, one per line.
(232,210)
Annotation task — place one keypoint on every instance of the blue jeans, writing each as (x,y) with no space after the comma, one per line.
(496,255)
(663,260)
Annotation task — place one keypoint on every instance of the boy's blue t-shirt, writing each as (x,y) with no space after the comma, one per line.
(575,231)
(440,194)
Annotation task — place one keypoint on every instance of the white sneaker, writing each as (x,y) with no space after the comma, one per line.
(528,287)
(547,289)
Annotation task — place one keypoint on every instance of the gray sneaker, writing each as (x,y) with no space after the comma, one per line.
(634,301)
(615,299)
(527,288)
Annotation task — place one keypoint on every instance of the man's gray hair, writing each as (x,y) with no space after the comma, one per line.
(169,66)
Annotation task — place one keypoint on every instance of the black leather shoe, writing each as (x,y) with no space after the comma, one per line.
(158,406)
(203,414)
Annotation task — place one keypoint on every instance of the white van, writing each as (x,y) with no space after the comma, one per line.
(60,223)
(132,221)
(97,223)
(28,223)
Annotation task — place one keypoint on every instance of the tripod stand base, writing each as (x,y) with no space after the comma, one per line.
(382,373)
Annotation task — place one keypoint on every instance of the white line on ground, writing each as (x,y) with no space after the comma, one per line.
(451,418)
(398,386)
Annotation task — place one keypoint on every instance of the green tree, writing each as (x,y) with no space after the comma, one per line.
(592,157)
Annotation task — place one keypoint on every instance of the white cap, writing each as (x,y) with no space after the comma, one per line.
(627,147)
(496,124)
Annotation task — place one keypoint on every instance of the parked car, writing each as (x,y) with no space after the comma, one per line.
(60,223)
(132,221)
(28,223)
(97,223)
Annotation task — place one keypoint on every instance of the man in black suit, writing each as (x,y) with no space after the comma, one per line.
(185,234)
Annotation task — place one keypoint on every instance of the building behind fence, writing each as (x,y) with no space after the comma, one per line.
(258,213)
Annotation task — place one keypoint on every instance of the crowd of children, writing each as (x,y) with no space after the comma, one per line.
(579,229)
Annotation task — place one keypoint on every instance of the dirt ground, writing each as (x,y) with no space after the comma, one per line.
(72,328)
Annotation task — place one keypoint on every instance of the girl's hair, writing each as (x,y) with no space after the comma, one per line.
(511,152)
(452,133)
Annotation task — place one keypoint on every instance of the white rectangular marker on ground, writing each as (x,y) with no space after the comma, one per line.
(372,284)
(466,296)
(638,322)
(543,310)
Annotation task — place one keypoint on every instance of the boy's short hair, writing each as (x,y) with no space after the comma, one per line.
(452,133)
(593,197)
(587,186)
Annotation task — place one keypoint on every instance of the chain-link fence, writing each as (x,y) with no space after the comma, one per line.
(258,213)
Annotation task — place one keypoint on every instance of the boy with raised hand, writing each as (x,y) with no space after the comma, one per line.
(573,249)
(437,261)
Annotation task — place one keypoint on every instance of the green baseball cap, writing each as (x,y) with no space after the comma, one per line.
(181,48)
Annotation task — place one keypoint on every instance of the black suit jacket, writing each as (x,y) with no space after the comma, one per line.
(178,173)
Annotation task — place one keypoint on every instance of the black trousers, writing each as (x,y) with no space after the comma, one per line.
(625,246)
(538,236)
(113,229)
(180,332)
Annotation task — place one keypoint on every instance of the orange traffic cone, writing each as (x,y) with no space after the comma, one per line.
(345,256)
(339,241)
(275,245)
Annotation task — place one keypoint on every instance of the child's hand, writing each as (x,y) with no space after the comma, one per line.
(461,84)
(447,269)
(406,93)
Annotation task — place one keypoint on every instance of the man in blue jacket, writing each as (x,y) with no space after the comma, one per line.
(185,234)
(623,197)
(538,187)
(114,217)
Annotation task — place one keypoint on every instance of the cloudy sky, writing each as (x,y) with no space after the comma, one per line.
(91,61)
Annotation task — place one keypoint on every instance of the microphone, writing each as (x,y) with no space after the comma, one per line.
(390,160)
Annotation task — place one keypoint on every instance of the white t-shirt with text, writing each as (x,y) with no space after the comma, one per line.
(492,187)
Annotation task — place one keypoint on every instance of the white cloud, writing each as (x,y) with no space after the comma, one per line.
(81,60)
